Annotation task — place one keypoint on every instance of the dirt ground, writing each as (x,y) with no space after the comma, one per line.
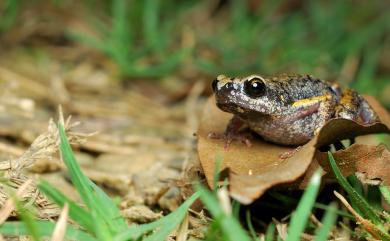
(138,140)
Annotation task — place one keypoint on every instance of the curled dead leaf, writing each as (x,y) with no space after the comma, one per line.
(252,170)
(371,161)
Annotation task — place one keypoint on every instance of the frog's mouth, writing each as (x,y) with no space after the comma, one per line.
(229,107)
(229,100)
(234,108)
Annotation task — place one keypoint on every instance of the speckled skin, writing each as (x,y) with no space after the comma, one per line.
(290,108)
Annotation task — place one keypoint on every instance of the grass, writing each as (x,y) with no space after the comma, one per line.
(145,38)
(100,219)
(360,202)
(317,37)
(138,51)
(301,215)
(368,212)
(9,16)
(328,222)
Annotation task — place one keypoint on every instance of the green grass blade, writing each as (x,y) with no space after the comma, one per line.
(328,221)
(102,231)
(80,181)
(270,233)
(45,228)
(9,14)
(78,214)
(365,208)
(279,238)
(29,221)
(289,200)
(120,28)
(358,187)
(87,40)
(385,193)
(367,70)
(150,24)
(250,226)
(374,198)
(210,202)
(217,170)
(165,229)
(135,232)
(356,184)
(236,207)
(300,216)
(230,227)
(160,69)
(112,212)
(102,225)
(120,39)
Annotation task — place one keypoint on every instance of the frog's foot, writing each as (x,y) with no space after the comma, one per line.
(288,154)
(243,137)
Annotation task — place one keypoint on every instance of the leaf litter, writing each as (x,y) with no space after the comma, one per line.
(253,170)
(131,155)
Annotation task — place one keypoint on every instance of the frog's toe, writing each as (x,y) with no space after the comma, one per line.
(244,137)
(215,135)
(231,137)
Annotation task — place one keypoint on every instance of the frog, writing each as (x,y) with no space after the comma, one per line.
(286,109)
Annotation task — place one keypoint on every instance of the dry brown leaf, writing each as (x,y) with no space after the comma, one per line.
(372,161)
(252,170)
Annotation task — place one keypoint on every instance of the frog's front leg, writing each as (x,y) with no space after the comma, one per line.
(233,132)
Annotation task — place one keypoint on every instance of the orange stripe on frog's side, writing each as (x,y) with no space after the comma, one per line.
(310,101)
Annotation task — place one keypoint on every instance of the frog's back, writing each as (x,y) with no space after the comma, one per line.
(296,87)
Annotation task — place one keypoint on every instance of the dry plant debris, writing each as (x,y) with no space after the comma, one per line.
(14,170)
(367,224)
(132,154)
(252,170)
(140,214)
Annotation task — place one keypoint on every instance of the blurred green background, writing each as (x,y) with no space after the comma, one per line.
(345,41)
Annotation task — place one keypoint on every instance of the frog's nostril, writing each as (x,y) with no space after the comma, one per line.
(229,85)
(214,85)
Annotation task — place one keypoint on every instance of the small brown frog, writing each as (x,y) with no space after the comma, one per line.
(286,109)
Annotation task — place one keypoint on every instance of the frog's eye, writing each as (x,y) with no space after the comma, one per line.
(254,87)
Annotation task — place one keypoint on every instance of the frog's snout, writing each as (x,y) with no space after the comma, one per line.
(218,85)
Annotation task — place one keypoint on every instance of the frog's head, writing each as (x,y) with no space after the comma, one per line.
(249,95)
